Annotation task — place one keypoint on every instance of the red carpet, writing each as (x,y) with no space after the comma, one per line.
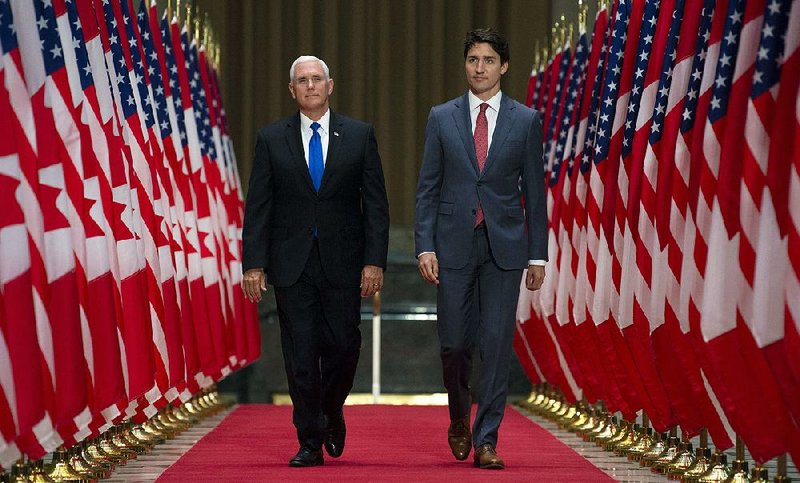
(384,443)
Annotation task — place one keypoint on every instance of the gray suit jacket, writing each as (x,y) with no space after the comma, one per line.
(510,189)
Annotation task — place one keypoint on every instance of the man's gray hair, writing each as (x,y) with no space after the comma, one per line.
(309,58)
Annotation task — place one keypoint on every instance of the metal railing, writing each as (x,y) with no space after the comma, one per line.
(400,312)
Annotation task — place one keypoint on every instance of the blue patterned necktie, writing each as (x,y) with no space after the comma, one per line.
(315,164)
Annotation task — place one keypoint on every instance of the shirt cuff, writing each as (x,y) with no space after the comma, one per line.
(540,263)
(423,253)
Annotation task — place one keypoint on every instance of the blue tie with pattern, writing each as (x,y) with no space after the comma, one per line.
(315,164)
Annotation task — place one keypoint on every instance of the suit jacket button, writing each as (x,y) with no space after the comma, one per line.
(474,212)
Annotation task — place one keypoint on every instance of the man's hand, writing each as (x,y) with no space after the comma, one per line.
(429,268)
(535,277)
(253,283)
(371,280)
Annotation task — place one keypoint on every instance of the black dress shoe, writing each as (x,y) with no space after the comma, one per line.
(307,457)
(335,432)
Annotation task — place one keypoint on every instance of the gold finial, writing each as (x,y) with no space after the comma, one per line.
(212,53)
(583,10)
(188,19)
(545,56)
(554,36)
(204,30)
(197,23)
(570,32)
(212,39)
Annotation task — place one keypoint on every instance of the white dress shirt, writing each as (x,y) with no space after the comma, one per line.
(491,119)
(491,113)
(323,130)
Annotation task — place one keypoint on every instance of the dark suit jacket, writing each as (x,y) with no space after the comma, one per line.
(350,212)
(451,186)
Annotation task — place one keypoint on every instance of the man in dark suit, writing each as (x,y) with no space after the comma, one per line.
(316,227)
(480,221)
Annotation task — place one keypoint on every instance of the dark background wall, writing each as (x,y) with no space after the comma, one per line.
(391,61)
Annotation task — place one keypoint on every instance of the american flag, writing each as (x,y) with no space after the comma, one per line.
(146,62)
(166,319)
(547,351)
(556,358)
(783,135)
(199,153)
(138,150)
(27,425)
(90,269)
(155,51)
(213,179)
(763,213)
(560,275)
(562,214)
(219,179)
(601,201)
(106,364)
(645,51)
(602,378)
(681,223)
(549,85)
(61,196)
(553,128)
(543,300)
(205,284)
(665,188)
(729,346)
(203,340)
(534,83)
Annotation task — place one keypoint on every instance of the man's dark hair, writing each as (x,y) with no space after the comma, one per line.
(489,36)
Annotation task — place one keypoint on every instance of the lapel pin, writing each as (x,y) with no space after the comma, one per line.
(335,133)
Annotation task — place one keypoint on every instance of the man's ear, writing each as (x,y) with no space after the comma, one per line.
(504,68)
(291,91)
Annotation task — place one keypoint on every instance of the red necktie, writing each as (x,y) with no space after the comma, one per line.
(481,138)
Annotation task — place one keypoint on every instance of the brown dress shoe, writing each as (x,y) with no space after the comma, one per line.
(460,438)
(486,458)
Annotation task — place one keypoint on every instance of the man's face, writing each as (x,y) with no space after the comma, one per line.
(484,70)
(310,88)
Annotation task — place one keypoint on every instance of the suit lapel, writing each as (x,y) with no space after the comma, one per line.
(464,125)
(335,135)
(295,142)
(501,129)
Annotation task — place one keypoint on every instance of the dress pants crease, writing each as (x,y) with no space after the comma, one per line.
(321,341)
(477,310)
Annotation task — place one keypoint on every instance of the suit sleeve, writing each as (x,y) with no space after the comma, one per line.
(375,205)
(533,190)
(429,188)
(258,210)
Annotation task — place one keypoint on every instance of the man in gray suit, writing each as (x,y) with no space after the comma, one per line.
(480,221)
